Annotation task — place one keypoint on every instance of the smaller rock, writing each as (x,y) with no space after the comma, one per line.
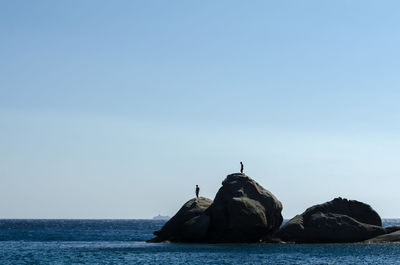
(392,229)
(393,237)
(177,228)
(337,221)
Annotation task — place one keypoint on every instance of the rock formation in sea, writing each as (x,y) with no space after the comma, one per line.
(242,211)
(393,237)
(336,221)
(177,229)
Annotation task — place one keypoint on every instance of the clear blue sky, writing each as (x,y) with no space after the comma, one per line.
(116,109)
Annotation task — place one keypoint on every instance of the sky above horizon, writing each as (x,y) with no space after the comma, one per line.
(117,109)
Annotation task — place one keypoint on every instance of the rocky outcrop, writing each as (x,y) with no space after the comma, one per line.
(391,229)
(185,224)
(337,221)
(242,211)
(393,237)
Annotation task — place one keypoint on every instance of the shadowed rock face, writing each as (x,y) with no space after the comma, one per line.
(393,237)
(243,211)
(359,211)
(392,229)
(176,228)
(339,220)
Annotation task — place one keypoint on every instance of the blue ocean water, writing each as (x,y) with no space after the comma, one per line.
(123,242)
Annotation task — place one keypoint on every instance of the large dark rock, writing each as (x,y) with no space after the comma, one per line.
(243,211)
(186,225)
(339,220)
(196,228)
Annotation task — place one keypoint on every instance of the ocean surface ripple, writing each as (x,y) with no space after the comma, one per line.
(122,242)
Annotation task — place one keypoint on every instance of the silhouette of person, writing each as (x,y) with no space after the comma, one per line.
(241,167)
(197,191)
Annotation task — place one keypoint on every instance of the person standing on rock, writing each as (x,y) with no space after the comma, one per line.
(197,191)
(241,167)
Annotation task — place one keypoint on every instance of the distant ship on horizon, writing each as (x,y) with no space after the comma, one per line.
(161,217)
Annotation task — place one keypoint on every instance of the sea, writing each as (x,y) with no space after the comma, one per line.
(123,242)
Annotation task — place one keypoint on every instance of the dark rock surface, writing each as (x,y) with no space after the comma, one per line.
(339,220)
(243,211)
(176,229)
(393,237)
(392,229)
(196,228)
